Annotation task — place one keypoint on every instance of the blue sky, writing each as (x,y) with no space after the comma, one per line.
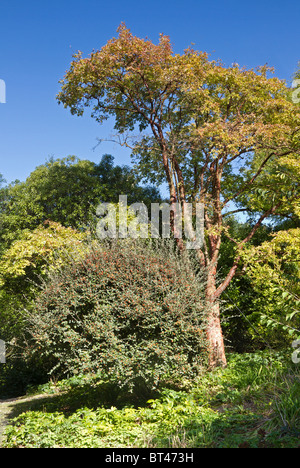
(38,38)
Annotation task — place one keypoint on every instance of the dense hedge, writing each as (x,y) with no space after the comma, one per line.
(132,312)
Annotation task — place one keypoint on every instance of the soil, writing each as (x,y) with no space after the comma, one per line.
(6,408)
(10,409)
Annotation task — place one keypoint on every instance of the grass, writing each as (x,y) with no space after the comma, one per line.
(254,402)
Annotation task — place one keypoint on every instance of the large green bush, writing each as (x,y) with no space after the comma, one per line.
(127,310)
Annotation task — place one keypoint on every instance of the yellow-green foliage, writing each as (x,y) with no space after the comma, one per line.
(272,259)
(23,265)
(47,247)
(274,268)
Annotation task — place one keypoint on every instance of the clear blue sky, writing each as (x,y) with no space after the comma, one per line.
(38,38)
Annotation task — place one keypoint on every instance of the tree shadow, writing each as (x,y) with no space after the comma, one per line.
(103,395)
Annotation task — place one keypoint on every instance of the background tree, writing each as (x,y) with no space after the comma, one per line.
(66,191)
(121,180)
(214,133)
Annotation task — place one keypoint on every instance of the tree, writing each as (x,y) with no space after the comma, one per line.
(121,180)
(212,132)
(66,191)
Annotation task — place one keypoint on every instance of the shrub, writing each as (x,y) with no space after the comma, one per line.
(133,312)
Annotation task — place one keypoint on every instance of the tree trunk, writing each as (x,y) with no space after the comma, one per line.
(216,351)
(215,338)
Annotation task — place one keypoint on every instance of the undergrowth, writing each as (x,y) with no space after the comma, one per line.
(254,402)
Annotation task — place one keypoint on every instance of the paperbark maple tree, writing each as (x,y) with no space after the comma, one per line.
(212,132)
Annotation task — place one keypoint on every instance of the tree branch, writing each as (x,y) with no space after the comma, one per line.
(233,269)
(237,211)
(250,182)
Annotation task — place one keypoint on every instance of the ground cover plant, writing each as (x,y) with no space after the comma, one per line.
(254,403)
